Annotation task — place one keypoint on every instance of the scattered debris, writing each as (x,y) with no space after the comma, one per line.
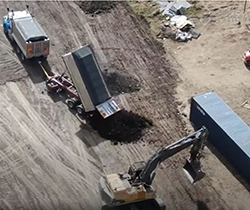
(247,106)
(181,27)
(244,103)
(183,36)
(195,33)
(181,22)
(176,8)
(123,126)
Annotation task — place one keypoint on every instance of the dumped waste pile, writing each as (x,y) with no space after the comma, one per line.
(178,27)
(118,83)
(123,126)
(96,7)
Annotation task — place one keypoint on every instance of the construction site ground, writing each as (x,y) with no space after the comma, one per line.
(49,160)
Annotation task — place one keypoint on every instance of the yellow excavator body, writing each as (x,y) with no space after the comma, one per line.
(124,193)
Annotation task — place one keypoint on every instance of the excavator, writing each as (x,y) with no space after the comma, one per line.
(134,191)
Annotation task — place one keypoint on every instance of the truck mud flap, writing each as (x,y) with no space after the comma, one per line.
(108,108)
(193,171)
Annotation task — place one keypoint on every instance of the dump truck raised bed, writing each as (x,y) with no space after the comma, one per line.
(29,38)
(229,134)
(88,91)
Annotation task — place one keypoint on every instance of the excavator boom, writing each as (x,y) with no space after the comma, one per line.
(135,186)
(196,139)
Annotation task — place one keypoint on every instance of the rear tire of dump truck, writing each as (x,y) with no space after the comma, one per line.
(71,103)
(20,54)
(80,110)
(18,50)
(49,88)
(23,59)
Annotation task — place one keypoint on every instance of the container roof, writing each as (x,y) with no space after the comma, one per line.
(226,118)
(91,75)
(28,26)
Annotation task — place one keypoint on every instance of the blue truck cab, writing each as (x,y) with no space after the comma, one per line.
(6,24)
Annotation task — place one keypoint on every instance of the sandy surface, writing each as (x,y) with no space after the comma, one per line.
(48,160)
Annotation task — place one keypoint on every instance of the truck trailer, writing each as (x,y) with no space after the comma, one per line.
(87,92)
(25,32)
(229,134)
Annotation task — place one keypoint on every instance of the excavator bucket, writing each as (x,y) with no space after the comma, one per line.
(193,171)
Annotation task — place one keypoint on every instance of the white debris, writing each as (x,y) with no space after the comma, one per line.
(180,21)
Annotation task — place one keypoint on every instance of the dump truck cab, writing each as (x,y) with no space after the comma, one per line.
(24,30)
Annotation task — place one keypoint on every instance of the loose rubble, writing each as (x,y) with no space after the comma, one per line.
(118,83)
(97,7)
(123,126)
(179,28)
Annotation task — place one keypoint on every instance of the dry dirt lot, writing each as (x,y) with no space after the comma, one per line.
(48,160)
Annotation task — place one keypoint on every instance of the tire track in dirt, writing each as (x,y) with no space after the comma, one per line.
(38,166)
(68,24)
(36,118)
(91,36)
(11,68)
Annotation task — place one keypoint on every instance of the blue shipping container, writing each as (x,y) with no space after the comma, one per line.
(229,134)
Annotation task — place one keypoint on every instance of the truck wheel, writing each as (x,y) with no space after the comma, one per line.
(71,103)
(5,29)
(23,59)
(80,109)
(18,50)
(49,88)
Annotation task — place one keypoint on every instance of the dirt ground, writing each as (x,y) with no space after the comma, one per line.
(49,160)
(214,61)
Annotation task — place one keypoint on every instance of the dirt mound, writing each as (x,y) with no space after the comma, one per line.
(96,7)
(121,127)
(118,83)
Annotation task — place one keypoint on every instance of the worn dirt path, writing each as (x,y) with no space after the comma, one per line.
(48,161)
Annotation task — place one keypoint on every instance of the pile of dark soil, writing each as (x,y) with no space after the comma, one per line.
(121,127)
(96,7)
(118,83)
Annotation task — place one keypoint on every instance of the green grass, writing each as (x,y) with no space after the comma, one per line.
(150,11)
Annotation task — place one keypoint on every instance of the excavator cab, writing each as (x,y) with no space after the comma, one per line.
(193,171)
(136,168)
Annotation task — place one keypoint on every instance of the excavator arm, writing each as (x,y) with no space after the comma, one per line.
(135,186)
(196,139)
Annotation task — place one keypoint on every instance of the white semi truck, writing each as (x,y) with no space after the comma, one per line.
(24,30)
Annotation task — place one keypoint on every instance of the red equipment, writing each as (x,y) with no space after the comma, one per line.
(246,57)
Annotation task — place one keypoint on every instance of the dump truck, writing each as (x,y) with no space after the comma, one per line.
(27,35)
(134,188)
(87,92)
